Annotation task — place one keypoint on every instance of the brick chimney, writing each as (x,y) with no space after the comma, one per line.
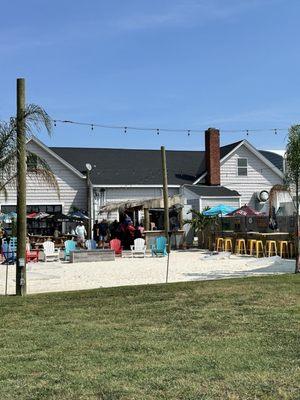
(212,156)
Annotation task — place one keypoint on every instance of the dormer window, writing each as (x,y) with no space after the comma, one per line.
(242,166)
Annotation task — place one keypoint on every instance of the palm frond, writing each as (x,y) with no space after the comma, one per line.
(4,184)
(37,166)
(36,118)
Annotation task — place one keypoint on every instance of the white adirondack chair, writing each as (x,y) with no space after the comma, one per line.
(50,253)
(138,247)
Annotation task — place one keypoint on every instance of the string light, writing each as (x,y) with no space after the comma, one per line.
(169,130)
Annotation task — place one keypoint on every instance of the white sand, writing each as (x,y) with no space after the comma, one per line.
(190,265)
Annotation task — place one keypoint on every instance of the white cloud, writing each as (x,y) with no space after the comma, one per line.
(187,13)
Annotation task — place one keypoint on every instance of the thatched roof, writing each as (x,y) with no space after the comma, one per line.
(146,203)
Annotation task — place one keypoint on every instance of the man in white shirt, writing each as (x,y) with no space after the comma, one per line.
(81,233)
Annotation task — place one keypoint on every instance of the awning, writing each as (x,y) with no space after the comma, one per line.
(157,202)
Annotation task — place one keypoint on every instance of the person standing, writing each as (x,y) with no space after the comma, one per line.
(103,231)
(96,231)
(81,233)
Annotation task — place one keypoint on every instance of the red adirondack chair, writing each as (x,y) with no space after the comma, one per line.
(115,244)
(31,255)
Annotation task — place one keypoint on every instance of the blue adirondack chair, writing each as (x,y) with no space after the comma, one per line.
(160,247)
(8,253)
(70,245)
(91,244)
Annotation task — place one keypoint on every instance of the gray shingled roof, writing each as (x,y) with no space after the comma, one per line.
(203,190)
(141,167)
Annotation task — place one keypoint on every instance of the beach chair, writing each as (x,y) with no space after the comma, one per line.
(8,254)
(138,247)
(31,255)
(160,247)
(50,252)
(13,244)
(70,245)
(115,244)
(91,244)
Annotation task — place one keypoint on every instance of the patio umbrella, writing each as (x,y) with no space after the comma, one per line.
(41,215)
(8,217)
(31,215)
(220,209)
(78,215)
(59,217)
(245,211)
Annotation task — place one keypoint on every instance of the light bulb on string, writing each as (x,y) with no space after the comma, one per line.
(189,132)
(157,131)
(92,127)
(125,129)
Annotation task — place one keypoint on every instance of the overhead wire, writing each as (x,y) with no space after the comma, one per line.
(128,128)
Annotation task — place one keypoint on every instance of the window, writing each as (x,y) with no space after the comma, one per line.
(242,166)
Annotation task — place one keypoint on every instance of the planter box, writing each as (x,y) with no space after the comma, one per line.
(77,256)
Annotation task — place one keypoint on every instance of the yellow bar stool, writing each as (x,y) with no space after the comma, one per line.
(283,248)
(220,244)
(240,246)
(228,244)
(251,246)
(271,248)
(291,249)
(259,248)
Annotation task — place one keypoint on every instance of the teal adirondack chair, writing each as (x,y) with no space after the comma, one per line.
(160,247)
(70,245)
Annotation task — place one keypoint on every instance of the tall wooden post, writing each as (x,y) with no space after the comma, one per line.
(146,219)
(21,190)
(89,211)
(165,191)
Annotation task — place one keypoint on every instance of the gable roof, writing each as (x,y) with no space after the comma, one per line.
(55,155)
(212,191)
(143,167)
(274,158)
(263,155)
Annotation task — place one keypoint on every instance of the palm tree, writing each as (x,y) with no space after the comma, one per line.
(35,119)
(199,222)
(293,178)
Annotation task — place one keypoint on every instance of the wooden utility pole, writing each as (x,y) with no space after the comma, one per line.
(165,190)
(89,208)
(166,204)
(21,190)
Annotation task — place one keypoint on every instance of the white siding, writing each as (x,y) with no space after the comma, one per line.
(72,187)
(200,202)
(228,201)
(260,176)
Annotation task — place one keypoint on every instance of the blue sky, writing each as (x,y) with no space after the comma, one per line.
(231,64)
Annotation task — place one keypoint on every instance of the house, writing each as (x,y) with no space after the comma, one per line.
(233,174)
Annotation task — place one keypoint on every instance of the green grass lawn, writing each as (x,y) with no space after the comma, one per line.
(229,339)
